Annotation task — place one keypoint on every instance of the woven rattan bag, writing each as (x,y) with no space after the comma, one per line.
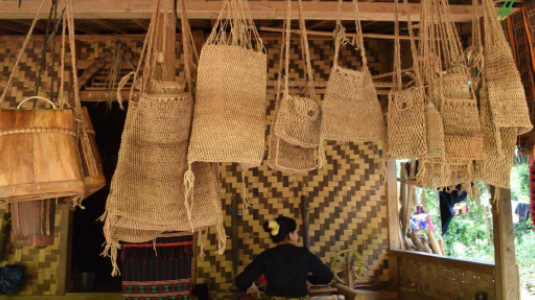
(294,135)
(229,116)
(495,169)
(504,87)
(298,121)
(205,211)
(351,109)
(406,124)
(459,111)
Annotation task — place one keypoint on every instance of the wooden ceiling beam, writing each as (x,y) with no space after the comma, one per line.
(13,27)
(109,25)
(202,9)
(142,23)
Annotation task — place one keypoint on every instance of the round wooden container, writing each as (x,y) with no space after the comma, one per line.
(38,155)
(94,178)
(32,223)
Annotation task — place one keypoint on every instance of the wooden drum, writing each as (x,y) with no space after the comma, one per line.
(38,155)
(32,223)
(91,162)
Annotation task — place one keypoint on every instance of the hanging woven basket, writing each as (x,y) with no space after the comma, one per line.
(39,154)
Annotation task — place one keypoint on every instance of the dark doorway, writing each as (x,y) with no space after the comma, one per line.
(88,236)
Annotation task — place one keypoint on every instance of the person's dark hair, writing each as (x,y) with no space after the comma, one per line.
(285,226)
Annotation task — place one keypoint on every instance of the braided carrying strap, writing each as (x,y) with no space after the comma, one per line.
(38,130)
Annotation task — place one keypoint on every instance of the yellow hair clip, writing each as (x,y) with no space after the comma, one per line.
(274,226)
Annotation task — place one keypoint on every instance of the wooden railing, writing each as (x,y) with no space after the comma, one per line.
(434,277)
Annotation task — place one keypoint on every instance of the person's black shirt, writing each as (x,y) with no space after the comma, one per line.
(286,269)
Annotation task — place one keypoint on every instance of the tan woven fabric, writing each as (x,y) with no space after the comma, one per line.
(406,124)
(298,121)
(504,86)
(495,169)
(351,109)
(230,109)
(435,132)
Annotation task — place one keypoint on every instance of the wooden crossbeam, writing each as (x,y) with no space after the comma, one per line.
(202,9)
(110,26)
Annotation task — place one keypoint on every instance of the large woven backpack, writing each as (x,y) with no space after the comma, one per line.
(230,107)
(351,109)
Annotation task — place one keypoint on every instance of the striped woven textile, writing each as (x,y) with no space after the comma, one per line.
(159,270)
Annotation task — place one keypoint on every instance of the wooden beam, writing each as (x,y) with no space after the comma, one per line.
(393,222)
(13,27)
(330,34)
(142,23)
(507,279)
(109,25)
(201,9)
(65,237)
(479,267)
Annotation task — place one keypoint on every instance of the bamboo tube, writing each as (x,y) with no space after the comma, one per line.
(433,242)
(417,242)
(409,243)
(425,243)
(442,245)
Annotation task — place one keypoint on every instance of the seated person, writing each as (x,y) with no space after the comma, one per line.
(286,266)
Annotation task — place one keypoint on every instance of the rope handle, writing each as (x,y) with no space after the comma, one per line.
(308,63)
(37,98)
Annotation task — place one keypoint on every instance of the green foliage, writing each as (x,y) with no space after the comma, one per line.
(470,236)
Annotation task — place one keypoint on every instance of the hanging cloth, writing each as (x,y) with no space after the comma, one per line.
(406,110)
(294,136)
(351,109)
(448,199)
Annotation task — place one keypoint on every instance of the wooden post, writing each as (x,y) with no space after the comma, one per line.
(170,41)
(304,216)
(235,238)
(393,221)
(65,246)
(506,272)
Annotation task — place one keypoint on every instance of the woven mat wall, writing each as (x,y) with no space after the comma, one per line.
(347,205)
(422,278)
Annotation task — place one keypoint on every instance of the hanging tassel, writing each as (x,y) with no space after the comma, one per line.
(445,173)
(189,183)
(203,237)
(422,175)
(221,237)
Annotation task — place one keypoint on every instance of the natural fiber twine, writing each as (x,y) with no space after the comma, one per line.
(351,108)
(495,169)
